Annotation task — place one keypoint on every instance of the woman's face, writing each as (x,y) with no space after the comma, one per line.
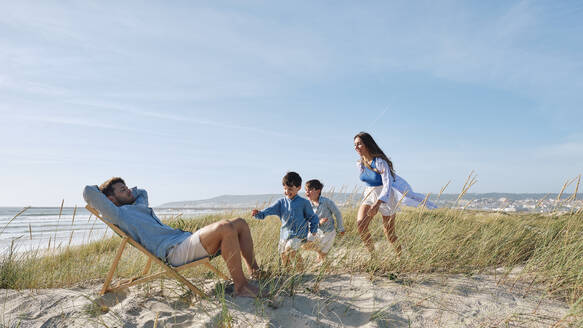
(360,147)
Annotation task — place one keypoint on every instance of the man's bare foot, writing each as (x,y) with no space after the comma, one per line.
(258,274)
(247,291)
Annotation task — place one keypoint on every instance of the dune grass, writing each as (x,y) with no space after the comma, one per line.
(548,250)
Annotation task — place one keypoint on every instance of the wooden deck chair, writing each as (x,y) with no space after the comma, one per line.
(167,270)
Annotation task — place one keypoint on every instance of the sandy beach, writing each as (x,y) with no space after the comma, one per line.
(337,300)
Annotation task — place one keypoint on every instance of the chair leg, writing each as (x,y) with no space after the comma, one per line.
(171,272)
(113,266)
(148,266)
(216,271)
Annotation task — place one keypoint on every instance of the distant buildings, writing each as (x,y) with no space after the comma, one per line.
(503,204)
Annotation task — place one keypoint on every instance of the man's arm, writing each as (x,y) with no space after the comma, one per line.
(274,209)
(141,196)
(96,199)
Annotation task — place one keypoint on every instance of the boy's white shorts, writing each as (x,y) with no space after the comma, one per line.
(372,194)
(325,240)
(290,244)
(187,251)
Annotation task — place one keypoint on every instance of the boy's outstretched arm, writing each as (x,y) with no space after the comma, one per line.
(274,209)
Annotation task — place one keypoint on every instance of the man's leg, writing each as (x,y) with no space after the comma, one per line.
(246,244)
(223,235)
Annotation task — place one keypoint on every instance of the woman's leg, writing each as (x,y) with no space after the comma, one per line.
(362,222)
(389,229)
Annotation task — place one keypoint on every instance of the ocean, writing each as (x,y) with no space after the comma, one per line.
(44,228)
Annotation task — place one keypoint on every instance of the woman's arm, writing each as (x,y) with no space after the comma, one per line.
(385,173)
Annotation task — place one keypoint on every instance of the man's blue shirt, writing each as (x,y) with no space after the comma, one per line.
(295,215)
(137,220)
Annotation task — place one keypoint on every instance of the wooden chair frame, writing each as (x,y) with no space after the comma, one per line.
(167,270)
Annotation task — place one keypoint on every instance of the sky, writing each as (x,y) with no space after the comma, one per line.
(192,100)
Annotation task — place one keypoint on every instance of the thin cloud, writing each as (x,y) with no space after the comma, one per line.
(76,122)
(180,118)
(373,122)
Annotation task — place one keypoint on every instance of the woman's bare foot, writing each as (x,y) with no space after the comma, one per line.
(247,291)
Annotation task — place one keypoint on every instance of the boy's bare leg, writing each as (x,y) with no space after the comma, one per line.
(285,259)
(246,244)
(297,259)
(223,235)
(321,256)
(389,229)
(362,223)
(310,245)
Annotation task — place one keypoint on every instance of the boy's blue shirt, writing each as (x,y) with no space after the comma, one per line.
(295,215)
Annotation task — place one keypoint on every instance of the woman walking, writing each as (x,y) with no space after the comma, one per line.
(384,190)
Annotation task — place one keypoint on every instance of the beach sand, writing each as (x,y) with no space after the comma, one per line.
(333,300)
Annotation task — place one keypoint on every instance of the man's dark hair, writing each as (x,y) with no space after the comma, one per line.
(107,186)
(292,179)
(314,184)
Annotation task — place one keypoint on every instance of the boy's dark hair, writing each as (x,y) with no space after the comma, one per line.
(292,179)
(107,186)
(314,184)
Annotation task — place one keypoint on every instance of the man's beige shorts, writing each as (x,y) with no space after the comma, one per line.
(187,251)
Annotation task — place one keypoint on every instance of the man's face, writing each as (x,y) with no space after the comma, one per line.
(290,191)
(122,195)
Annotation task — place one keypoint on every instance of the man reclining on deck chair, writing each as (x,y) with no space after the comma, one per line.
(128,209)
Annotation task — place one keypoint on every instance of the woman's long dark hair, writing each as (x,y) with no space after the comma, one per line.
(374,150)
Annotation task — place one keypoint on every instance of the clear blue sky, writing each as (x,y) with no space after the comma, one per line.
(194,100)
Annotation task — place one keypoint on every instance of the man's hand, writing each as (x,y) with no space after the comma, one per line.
(323,220)
(254,212)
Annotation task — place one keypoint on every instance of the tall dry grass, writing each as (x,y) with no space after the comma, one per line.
(548,250)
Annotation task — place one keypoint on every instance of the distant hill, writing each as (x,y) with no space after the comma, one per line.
(226,201)
(250,201)
(342,199)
